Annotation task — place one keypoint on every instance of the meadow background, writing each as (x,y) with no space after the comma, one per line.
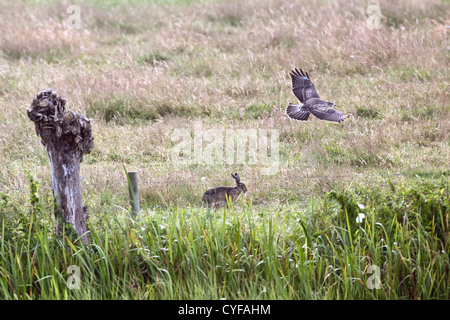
(141,69)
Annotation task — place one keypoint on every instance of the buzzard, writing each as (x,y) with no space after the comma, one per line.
(305,91)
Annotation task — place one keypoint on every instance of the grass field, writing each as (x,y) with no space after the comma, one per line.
(145,69)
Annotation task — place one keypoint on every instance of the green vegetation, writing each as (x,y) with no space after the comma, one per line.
(321,252)
(367,113)
(144,69)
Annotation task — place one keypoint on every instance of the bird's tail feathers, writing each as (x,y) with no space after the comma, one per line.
(296,112)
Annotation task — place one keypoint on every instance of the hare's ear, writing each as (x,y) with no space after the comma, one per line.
(236,176)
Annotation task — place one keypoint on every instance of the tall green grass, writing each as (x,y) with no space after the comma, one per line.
(317,252)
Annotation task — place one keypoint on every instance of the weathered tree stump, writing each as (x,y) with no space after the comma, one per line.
(67,136)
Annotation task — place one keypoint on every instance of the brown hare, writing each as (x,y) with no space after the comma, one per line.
(218,196)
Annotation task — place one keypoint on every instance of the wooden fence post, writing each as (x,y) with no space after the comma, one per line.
(67,136)
(133,191)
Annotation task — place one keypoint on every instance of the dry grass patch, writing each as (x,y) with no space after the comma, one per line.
(143,70)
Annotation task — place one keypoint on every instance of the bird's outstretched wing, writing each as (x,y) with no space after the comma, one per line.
(324,112)
(302,86)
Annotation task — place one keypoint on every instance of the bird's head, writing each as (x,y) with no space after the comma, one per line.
(331,104)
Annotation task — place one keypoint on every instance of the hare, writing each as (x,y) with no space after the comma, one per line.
(218,196)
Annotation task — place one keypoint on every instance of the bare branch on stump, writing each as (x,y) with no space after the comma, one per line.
(67,136)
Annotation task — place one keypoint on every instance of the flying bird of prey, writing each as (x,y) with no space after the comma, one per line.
(305,91)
